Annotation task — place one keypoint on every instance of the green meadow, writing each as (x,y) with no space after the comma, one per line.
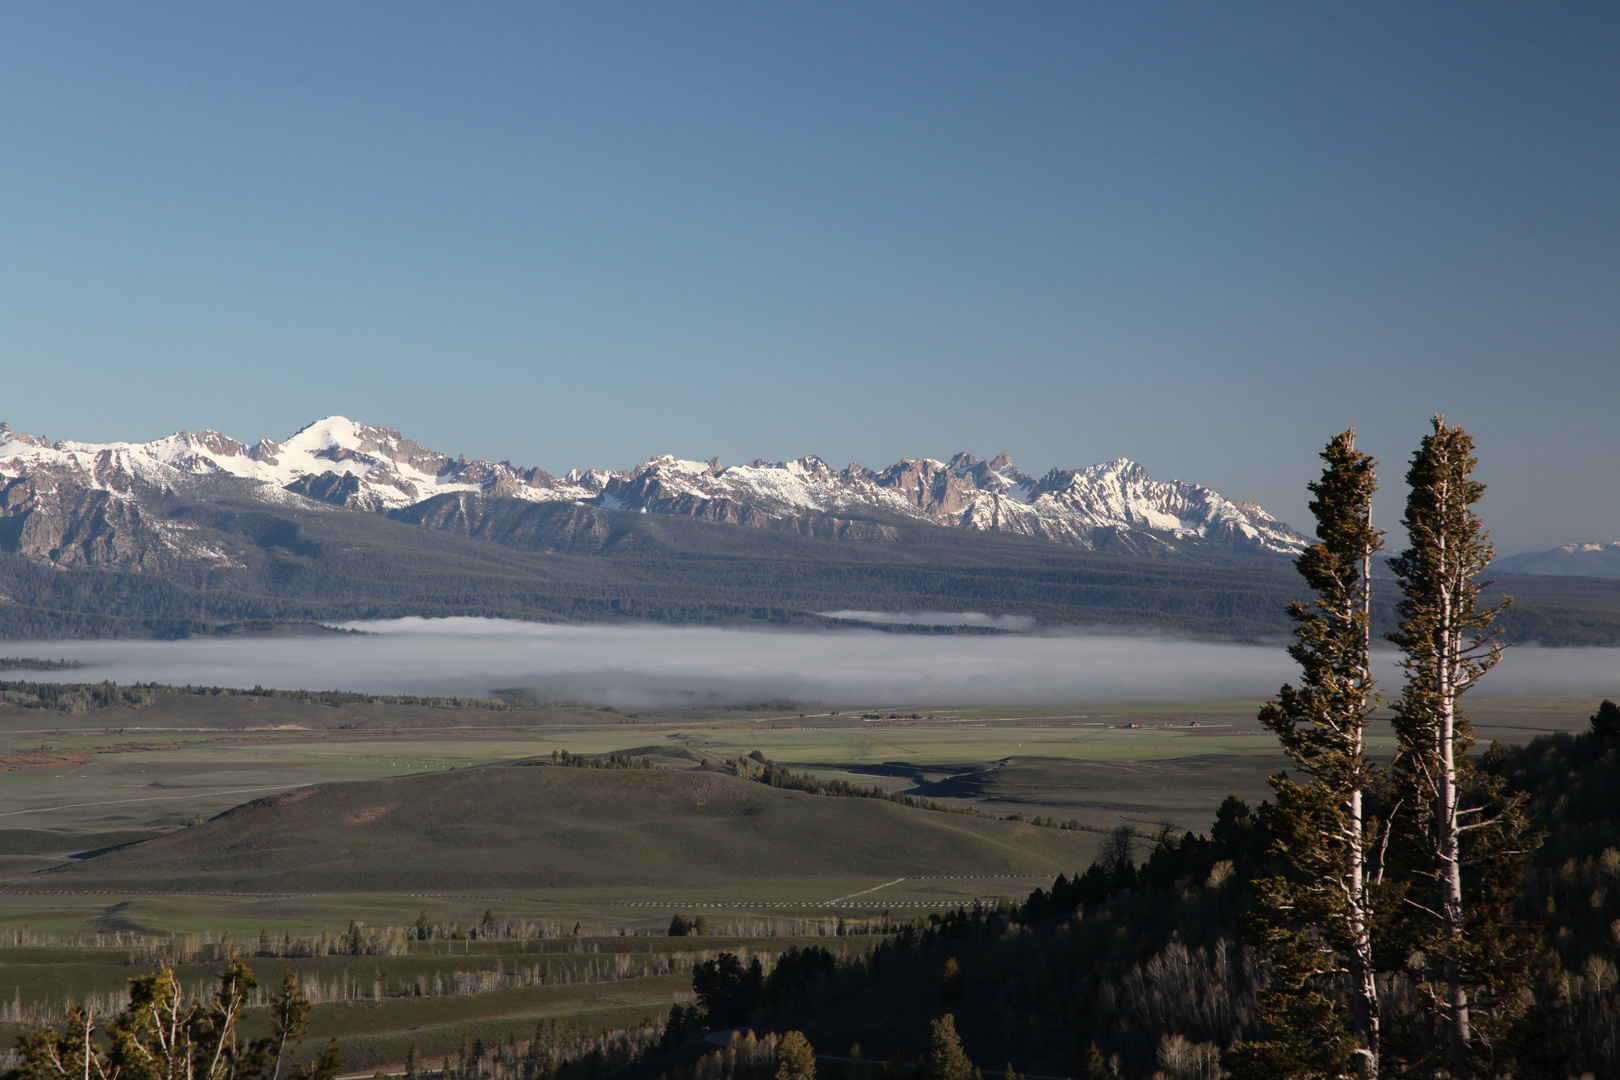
(237,821)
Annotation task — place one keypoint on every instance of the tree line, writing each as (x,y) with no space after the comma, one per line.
(73,697)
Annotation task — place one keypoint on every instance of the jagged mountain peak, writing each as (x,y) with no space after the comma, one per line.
(7,435)
(1114,505)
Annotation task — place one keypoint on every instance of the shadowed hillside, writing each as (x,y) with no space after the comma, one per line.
(292,565)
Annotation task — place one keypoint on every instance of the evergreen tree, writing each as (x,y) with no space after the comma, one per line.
(1316,923)
(1606,722)
(945,1059)
(795,1060)
(1464,839)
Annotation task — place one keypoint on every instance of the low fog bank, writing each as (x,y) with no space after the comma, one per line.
(1017,623)
(649,666)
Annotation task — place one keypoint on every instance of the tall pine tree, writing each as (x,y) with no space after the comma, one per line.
(1316,923)
(1463,840)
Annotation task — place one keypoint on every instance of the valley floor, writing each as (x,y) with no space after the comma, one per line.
(112,842)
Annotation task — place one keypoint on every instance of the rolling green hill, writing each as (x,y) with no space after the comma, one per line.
(571,831)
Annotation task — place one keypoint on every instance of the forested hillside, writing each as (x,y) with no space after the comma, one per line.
(301,565)
(1140,966)
(582,563)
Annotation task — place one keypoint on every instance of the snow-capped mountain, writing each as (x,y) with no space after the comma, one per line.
(103,504)
(1567,560)
(331,460)
(1115,505)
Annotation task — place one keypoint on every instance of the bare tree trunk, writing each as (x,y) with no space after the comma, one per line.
(1363,978)
(1364,984)
(1448,840)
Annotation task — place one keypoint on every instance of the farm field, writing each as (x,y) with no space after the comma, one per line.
(614,839)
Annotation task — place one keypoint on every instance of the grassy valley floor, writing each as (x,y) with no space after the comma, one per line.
(207,825)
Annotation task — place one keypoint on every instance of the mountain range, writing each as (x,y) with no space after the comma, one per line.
(199,533)
(1567,560)
(73,503)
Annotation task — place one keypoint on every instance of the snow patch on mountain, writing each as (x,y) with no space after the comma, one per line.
(338,462)
(389,471)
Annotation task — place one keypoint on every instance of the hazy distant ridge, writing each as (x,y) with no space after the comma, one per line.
(1569,560)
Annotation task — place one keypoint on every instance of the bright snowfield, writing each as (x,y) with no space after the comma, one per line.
(337,460)
(649,666)
(395,471)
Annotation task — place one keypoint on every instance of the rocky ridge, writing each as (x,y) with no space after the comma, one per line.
(72,503)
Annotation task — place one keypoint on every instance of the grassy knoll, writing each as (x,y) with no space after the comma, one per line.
(648,835)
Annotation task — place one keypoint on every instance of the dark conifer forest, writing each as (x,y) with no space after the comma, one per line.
(300,567)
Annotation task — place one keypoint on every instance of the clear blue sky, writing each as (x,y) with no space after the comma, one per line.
(1204,236)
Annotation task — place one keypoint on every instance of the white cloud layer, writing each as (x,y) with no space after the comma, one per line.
(645,665)
(1017,623)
